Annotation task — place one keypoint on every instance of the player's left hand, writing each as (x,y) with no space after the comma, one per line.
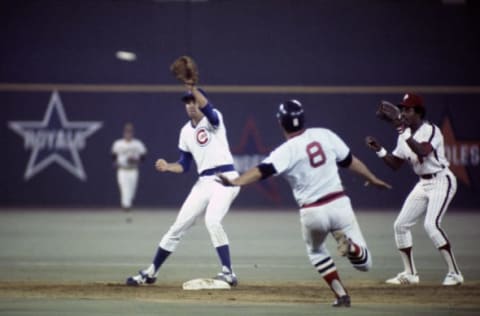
(372,143)
(220,178)
(378,183)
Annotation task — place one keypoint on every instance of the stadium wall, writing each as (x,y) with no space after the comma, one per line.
(61,82)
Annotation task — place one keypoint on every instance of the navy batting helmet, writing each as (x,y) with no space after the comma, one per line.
(290,114)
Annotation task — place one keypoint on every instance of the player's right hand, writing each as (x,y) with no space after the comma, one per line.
(161,165)
(378,183)
(220,178)
(372,143)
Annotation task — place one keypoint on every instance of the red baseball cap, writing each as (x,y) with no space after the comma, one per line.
(411,100)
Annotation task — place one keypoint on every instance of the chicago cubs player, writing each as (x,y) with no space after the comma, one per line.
(127,153)
(203,139)
(309,160)
(420,143)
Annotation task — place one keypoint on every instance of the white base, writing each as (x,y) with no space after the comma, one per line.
(206,284)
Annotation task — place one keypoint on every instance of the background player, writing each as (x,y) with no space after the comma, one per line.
(421,144)
(127,153)
(202,139)
(309,161)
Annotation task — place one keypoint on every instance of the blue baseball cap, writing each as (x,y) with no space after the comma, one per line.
(189,96)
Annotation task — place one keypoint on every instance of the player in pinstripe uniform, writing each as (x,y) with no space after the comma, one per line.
(309,161)
(203,139)
(127,153)
(420,143)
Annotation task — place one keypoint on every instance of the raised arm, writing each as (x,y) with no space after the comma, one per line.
(199,96)
(204,105)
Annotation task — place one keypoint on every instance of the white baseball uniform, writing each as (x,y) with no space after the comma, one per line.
(128,154)
(308,161)
(210,150)
(433,192)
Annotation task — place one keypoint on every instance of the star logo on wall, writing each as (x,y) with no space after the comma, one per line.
(55,139)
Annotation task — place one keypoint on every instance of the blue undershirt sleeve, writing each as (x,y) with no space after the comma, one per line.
(185,160)
(211,115)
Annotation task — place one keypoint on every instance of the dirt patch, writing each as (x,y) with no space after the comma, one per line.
(466,295)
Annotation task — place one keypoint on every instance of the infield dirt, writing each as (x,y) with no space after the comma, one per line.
(466,295)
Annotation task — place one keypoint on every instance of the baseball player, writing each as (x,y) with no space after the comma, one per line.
(309,161)
(203,139)
(127,153)
(420,143)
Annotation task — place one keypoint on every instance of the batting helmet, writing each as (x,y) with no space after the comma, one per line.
(291,117)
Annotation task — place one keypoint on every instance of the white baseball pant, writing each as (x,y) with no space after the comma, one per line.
(127,181)
(433,197)
(317,222)
(209,196)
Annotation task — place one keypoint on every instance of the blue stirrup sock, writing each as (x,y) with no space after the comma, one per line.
(224,255)
(160,257)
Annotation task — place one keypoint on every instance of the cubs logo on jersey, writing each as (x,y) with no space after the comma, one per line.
(202,136)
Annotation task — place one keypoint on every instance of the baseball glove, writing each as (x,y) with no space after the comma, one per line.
(389,112)
(185,70)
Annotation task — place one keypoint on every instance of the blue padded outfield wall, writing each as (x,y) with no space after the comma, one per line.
(65,97)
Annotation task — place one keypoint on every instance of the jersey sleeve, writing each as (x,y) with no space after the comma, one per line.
(398,152)
(279,158)
(115,148)
(142,149)
(182,145)
(339,147)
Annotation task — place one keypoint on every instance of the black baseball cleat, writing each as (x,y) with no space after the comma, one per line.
(342,301)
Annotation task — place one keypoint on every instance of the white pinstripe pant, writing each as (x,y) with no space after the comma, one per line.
(433,197)
(127,181)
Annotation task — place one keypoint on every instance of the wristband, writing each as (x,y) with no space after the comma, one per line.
(407,134)
(381,153)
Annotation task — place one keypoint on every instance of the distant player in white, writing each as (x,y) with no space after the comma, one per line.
(204,140)
(127,153)
(421,144)
(309,161)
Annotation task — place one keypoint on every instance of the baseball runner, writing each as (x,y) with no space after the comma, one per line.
(309,161)
(127,153)
(203,139)
(420,143)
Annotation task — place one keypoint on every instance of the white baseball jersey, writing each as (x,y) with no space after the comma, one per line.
(209,148)
(207,144)
(435,161)
(128,150)
(309,163)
